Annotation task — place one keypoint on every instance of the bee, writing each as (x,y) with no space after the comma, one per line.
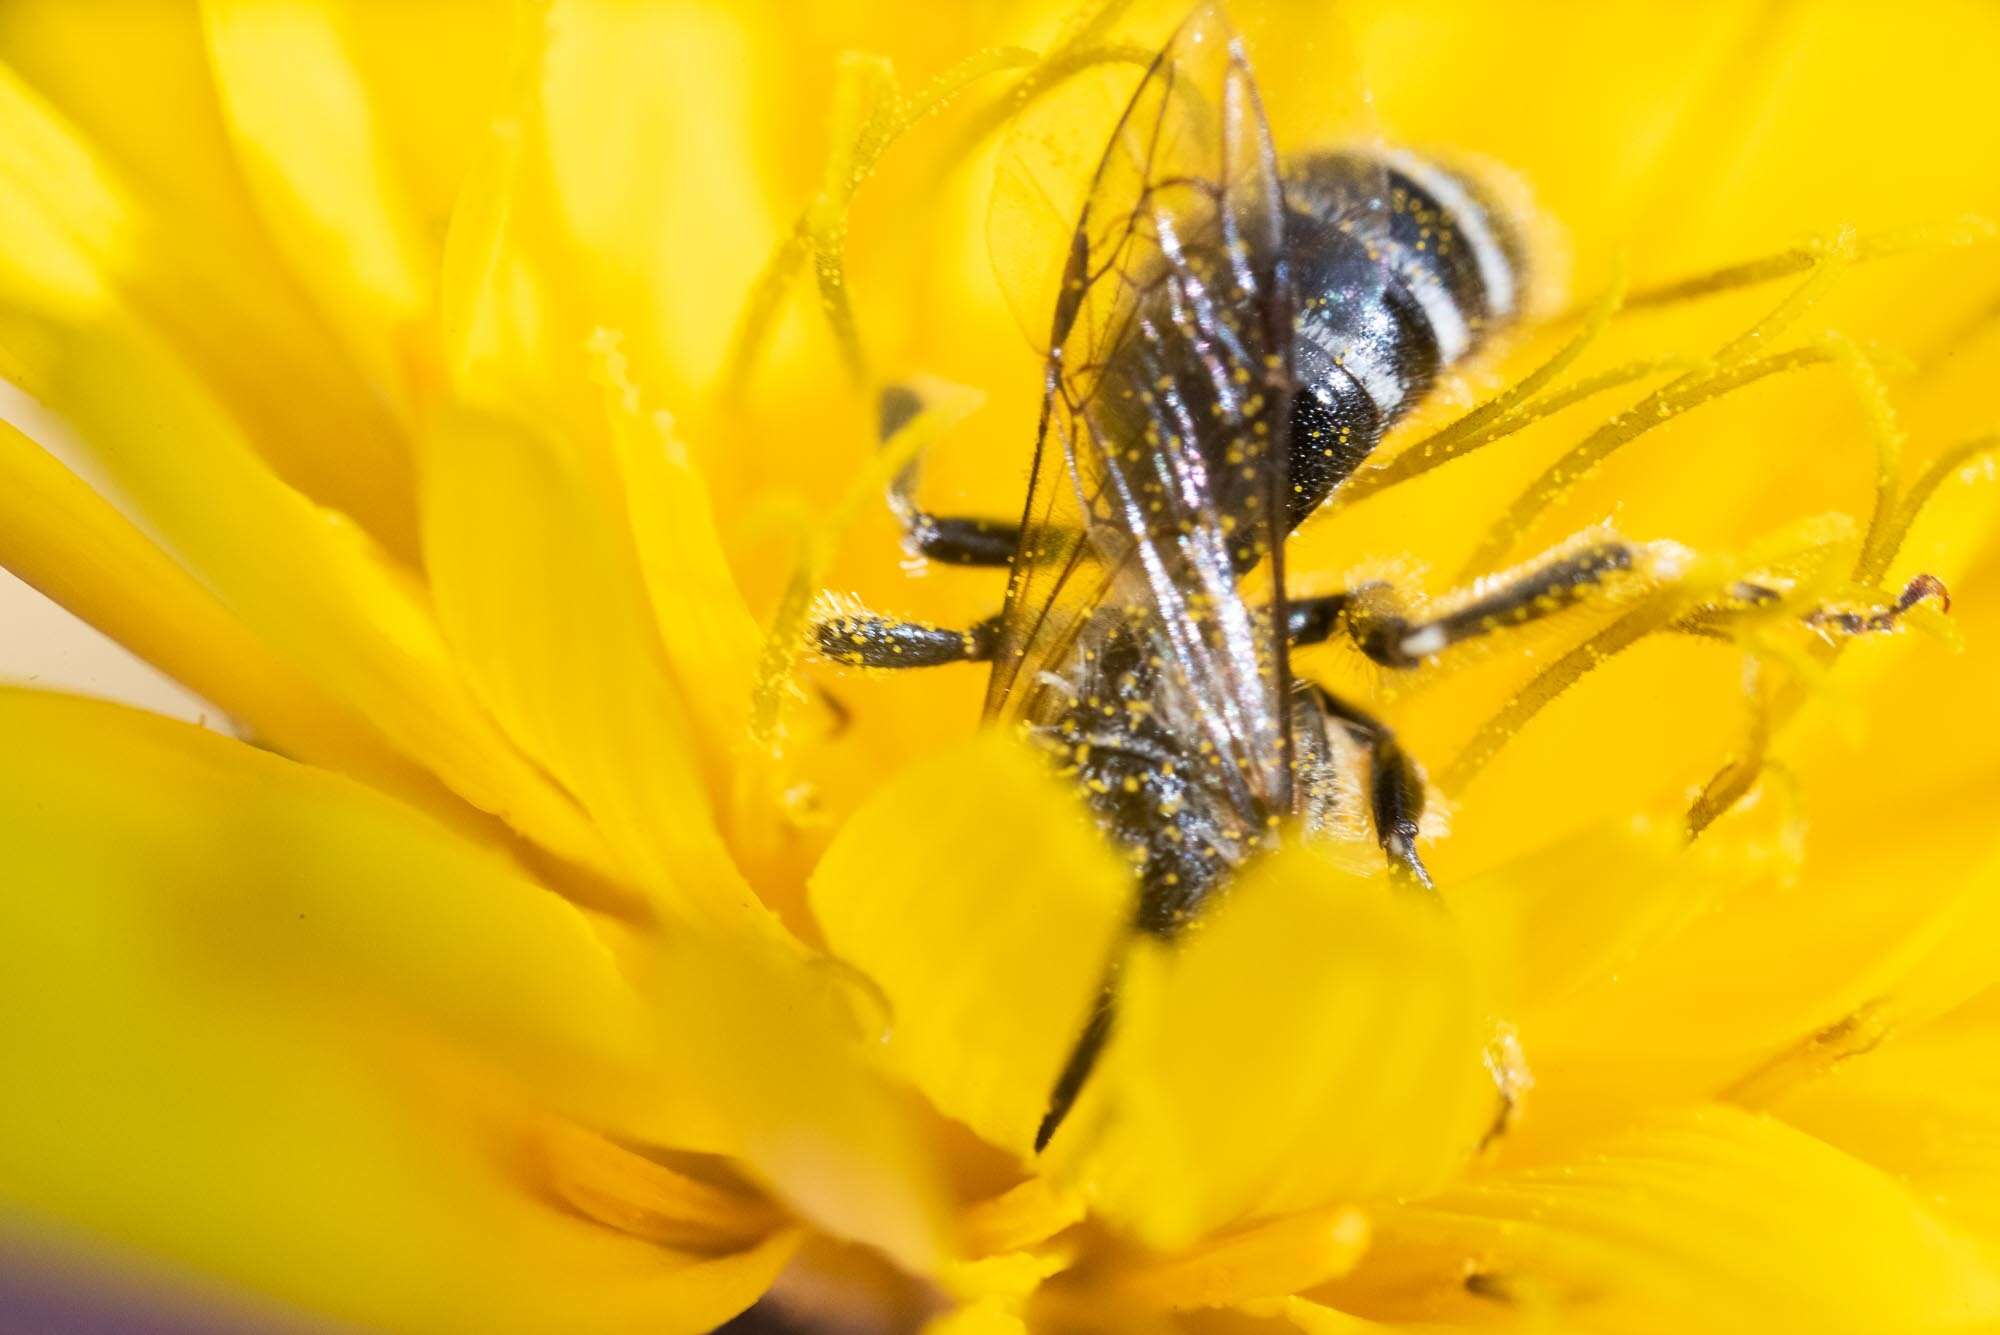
(1234,335)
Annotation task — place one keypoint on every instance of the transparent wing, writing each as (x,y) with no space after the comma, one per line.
(1160,469)
(1044,171)
(1314,99)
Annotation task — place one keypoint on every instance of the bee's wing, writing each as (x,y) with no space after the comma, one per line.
(1160,468)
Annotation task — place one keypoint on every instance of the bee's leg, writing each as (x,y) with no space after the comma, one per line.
(1082,1061)
(1849,622)
(1542,590)
(956,540)
(1396,641)
(1395,787)
(961,540)
(862,639)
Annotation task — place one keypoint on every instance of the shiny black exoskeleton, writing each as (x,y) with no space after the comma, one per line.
(1380,314)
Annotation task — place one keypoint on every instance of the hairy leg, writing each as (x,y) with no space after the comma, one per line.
(1397,641)
(1395,788)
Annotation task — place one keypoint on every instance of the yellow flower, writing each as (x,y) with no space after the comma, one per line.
(562,954)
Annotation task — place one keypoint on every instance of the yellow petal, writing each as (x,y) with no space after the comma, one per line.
(1923,1107)
(539,594)
(972,891)
(1021,1217)
(436,74)
(317,158)
(712,641)
(537,587)
(1570,914)
(306,580)
(776,1046)
(1711,1219)
(636,1194)
(66,540)
(1262,1262)
(266,1027)
(1863,948)
(80,238)
(290,873)
(132,77)
(620,84)
(983,1318)
(1943,961)
(1318,1039)
(578,217)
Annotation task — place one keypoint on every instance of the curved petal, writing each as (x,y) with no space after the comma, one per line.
(777,1046)
(1924,1107)
(1572,913)
(974,894)
(711,639)
(215,292)
(540,598)
(602,204)
(318,160)
(437,73)
(1711,1219)
(537,588)
(302,880)
(266,1026)
(310,584)
(133,78)
(1318,1039)
(68,542)
(1885,921)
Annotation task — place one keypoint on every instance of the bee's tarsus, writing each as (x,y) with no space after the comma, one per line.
(963,541)
(1848,622)
(862,639)
(1082,1061)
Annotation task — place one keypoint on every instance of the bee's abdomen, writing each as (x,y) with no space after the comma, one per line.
(1390,294)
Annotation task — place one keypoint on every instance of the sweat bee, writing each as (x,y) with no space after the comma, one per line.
(1234,334)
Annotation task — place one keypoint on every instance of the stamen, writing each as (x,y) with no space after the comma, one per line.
(864,102)
(1887,538)
(1687,600)
(870,115)
(760,312)
(1663,405)
(1955,232)
(1512,411)
(1883,428)
(1654,614)
(786,644)
(1740,773)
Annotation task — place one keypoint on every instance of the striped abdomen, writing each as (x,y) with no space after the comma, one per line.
(1388,297)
